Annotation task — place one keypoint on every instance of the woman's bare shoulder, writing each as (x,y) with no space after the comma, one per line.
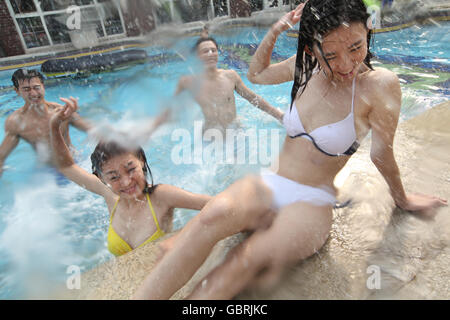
(163,191)
(163,195)
(383,89)
(381,82)
(382,77)
(168,191)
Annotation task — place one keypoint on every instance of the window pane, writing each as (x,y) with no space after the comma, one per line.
(220,8)
(33,32)
(2,52)
(163,12)
(56,26)
(276,3)
(190,11)
(91,20)
(52,5)
(111,17)
(23,6)
(83,2)
(256,5)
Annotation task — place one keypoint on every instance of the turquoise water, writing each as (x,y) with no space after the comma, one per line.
(45,227)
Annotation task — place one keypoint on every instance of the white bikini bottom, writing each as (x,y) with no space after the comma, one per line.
(286,191)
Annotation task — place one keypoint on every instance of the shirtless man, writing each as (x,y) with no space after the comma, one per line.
(214,89)
(31,122)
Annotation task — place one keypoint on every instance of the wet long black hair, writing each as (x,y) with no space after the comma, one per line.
(107,150)
(319,17)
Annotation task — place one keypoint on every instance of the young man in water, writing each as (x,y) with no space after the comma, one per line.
(214,89)
(31,122)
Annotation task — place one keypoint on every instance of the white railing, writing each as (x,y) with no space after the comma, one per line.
(42,14)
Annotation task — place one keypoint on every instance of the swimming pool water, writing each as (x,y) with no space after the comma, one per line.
(45,227)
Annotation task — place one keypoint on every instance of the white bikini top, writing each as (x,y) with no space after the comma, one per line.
(334,139)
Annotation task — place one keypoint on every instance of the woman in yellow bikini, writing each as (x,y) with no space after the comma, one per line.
(139,212)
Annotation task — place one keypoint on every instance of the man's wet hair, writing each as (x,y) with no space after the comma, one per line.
(25,74)
(203,39)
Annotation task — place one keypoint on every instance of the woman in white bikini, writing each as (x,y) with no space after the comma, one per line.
(337,97)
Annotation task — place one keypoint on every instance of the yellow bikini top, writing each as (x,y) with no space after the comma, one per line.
(117,246)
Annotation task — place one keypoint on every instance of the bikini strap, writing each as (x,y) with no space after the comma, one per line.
(114,209)
(153,212)
(353,92)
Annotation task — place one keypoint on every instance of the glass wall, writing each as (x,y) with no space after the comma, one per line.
(54,5)
(189,11)
(221,8)
(184,11)
(23,6)
(111,17)
(163,12)
(56,26)
(256,5)
(33,32)
(44,22)
(278,3)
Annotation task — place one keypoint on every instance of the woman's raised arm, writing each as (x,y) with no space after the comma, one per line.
(64,160)
(260,70)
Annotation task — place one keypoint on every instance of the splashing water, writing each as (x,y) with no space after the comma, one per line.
(33,241)
(49,227)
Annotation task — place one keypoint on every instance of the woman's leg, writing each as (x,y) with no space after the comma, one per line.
(298,231)
(244,205)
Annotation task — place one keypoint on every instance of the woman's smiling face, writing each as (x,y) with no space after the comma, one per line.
(124,173)
(345,49)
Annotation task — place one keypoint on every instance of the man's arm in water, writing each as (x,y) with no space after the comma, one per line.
(255,99)
(183,84)
(10,141)
(78,122)
(75,120)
